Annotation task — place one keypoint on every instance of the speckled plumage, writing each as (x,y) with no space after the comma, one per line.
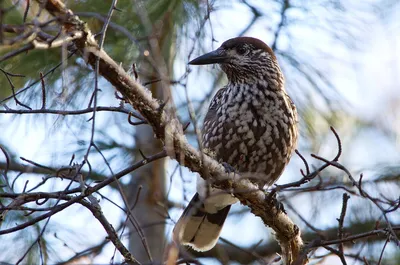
(251,125)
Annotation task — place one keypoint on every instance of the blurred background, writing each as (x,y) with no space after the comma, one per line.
(341,61)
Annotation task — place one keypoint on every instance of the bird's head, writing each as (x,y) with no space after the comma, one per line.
(244,59)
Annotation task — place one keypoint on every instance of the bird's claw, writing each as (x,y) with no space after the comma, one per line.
(278,205)
(228,168)
(162,105)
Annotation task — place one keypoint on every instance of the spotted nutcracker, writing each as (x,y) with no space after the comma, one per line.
(251,125)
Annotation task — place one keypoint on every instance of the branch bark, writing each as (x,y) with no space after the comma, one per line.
(168,129)
(20,199)
(362,231)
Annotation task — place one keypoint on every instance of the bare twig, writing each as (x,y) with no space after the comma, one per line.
(383,250)
(43,91)
(340,228)
(6,167)
(23,197)
(7,74)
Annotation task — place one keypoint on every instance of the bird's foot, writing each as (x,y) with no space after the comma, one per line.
(278,205)
(162,106)
(228,168)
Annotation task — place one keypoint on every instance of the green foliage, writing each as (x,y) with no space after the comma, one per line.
(165,15)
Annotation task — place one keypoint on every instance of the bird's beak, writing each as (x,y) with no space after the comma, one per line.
(217,56)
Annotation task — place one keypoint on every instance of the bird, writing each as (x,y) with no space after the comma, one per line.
(251,127)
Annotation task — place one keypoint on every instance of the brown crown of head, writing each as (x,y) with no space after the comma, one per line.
(242,58)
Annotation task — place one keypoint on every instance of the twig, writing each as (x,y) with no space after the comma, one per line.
(338,253)
(285,7)
(130,216)
(311,175)
(38,80)
(305,163)
(383,250)
(35,164)
(130,115)
(43,91)
(358,236)
(65,112)
(112,234)
(7,166)
(7,74)
(340,228)
(23,197)
(28,3)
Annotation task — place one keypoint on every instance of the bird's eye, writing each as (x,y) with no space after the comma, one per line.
(241,50)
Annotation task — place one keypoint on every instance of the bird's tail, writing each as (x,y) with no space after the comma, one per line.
(197,227)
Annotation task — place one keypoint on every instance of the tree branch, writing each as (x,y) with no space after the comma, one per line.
(361,232)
